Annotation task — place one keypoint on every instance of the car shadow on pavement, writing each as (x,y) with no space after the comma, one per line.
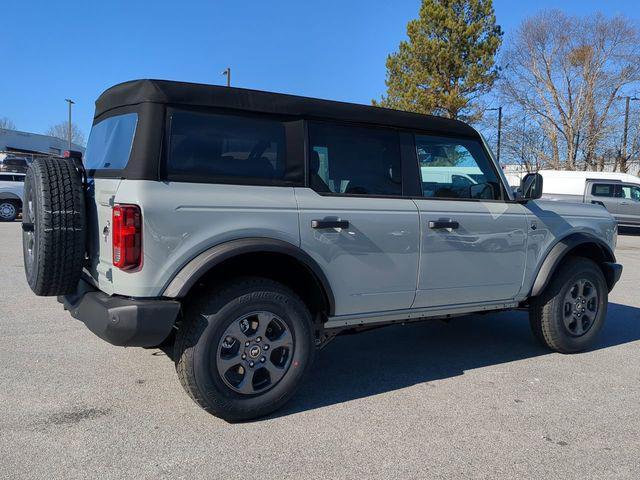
(391,358)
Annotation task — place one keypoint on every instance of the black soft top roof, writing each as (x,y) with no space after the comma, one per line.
(201,95)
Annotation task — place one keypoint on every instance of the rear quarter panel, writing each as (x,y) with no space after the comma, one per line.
(181,220)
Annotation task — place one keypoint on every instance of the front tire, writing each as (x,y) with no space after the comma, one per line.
(242,350)
(569,314)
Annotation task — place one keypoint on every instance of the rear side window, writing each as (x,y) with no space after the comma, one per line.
(354,160)
(227,148)
(110,141)
(455,169)
(603,190)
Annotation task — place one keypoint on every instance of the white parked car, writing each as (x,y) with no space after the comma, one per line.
(11,194)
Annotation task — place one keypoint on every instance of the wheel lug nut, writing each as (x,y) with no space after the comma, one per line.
(263,359)
(266,347)
(251,364)
(246,344)
(258,339)
(244,356)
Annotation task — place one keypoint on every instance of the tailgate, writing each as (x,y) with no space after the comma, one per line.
(100,198)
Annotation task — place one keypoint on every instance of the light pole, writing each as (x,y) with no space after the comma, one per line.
(70,102)
(227,73)
(499,110)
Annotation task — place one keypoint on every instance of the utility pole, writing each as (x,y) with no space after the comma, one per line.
(227,72)
(625,133)
(499,110)
(70,102)
(499,130)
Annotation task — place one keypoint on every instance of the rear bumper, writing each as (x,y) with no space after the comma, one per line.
(122,321)
(612,273)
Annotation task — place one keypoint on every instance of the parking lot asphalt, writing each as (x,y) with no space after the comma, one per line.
(472,398)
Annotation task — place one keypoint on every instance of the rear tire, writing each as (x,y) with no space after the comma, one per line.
(569,314)
(243,349)
(53,224)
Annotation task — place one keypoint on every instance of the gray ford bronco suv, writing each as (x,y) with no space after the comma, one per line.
(242,230)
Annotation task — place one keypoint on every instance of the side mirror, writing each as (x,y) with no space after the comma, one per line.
(530,187)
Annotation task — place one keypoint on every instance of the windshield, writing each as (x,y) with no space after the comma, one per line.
(110,143)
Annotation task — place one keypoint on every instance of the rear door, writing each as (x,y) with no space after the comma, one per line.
(107,154)
(473,241)
(606,194)
(354,220)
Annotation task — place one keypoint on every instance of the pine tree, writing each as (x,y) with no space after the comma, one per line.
(448,61)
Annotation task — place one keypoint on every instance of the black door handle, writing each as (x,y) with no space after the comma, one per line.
(438,224)
(329,224)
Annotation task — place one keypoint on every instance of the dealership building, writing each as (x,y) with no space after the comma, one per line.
(21,143)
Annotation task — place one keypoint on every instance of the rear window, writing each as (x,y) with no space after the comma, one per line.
(110,143)
(206,146)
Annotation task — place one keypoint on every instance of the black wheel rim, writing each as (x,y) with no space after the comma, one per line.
(254,353)
(580,307)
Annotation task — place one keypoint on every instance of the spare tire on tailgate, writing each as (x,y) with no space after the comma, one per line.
(53,226)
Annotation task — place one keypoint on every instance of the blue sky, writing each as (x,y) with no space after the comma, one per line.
(50,50)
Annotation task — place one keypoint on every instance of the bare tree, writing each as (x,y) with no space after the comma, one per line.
(566,74)
(61,131)
(7,124)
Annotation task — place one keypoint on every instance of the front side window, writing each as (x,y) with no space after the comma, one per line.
(353,160)
(603,190)
(204,145)
(455,169)
(110,141)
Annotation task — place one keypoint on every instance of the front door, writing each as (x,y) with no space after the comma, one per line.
(629,206)
(354,221)
(473,242)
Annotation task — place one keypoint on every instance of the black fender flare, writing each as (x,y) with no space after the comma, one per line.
(559,251)
(190,273)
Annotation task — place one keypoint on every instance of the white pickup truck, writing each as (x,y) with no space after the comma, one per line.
(11,194)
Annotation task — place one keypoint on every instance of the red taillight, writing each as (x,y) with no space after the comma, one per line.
(127,236)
